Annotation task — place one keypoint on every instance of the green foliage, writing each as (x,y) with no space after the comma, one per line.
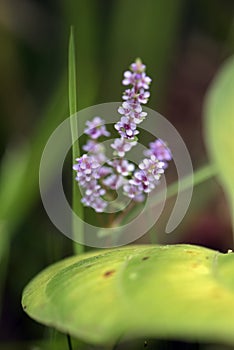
(19,176)
(219,131)
(10,188)
(180,292)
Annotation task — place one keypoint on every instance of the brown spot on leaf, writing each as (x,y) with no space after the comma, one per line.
(109,273)
(24,307)
(191,252)
(194,265)
(145,258)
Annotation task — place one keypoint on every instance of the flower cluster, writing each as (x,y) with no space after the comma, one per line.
(89,167)
(131,109)
(96,174)
(145,179)
(159,149)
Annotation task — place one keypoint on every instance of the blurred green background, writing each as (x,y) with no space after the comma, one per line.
(183,43)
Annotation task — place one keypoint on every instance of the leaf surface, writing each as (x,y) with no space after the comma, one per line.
(179,292)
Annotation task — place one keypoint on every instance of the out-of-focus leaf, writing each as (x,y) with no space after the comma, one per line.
(19,174)
(179,292)
(219,128)
(12,177)
(77,206)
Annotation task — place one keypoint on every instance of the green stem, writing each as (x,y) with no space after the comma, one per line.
(203,174)
(77,227)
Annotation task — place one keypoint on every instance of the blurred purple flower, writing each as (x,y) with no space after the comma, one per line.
(122,166)
(138,66)
(126,128)
(88,173)
(95,202)
(86,165)
(121,146)
(133,192)
(97,150)
(152,166)
(145,179)
(143,81)
(114,181)
(160,150)
(96,128)
(127,108)
(131,109)
(143,96)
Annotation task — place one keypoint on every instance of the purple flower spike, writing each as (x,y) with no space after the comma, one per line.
(159,149)
(127,109)
(138,66)
(88,174)
(129,95)
(129,78)
(153,166)
(97,151)
(114,181)
(96,128)
(131,191)
(98,204)
(91,146)
(131,109)
(122,166)
(144,81)
(122,146)
(137,76)
(86,165)
(145,179)
(126,128)
(96,174)
(143,96)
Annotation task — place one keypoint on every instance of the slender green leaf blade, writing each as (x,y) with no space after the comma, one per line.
(76,195)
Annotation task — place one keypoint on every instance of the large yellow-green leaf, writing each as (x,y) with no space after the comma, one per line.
(219,128)
(180,292)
